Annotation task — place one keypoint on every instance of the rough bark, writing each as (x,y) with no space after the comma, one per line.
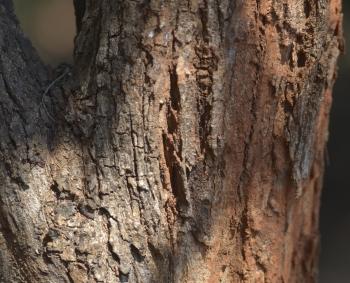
(185,145)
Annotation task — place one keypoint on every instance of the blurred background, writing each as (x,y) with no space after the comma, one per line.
(50,24)
(335,209)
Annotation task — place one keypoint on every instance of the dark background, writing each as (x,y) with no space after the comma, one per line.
(335,209)
(51,26)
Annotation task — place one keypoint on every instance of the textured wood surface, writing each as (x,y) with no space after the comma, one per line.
(185,145)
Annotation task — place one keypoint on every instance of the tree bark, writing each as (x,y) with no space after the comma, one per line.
(185,145)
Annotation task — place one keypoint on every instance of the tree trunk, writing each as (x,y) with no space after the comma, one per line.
(185,145)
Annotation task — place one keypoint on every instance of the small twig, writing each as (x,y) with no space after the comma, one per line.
(42,103)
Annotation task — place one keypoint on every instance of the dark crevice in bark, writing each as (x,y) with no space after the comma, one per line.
(177,178)
(113,254)
(307,8)
(172,143)
(16,179)
(138,257)
(203,12)
(286,53)
(175,98)
(87,211)
(221,20)
(123,277)
(302,58)
(243,230)
(206,66)
(178,187)
(79,7)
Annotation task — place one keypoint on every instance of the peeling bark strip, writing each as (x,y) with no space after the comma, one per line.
(187,146)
